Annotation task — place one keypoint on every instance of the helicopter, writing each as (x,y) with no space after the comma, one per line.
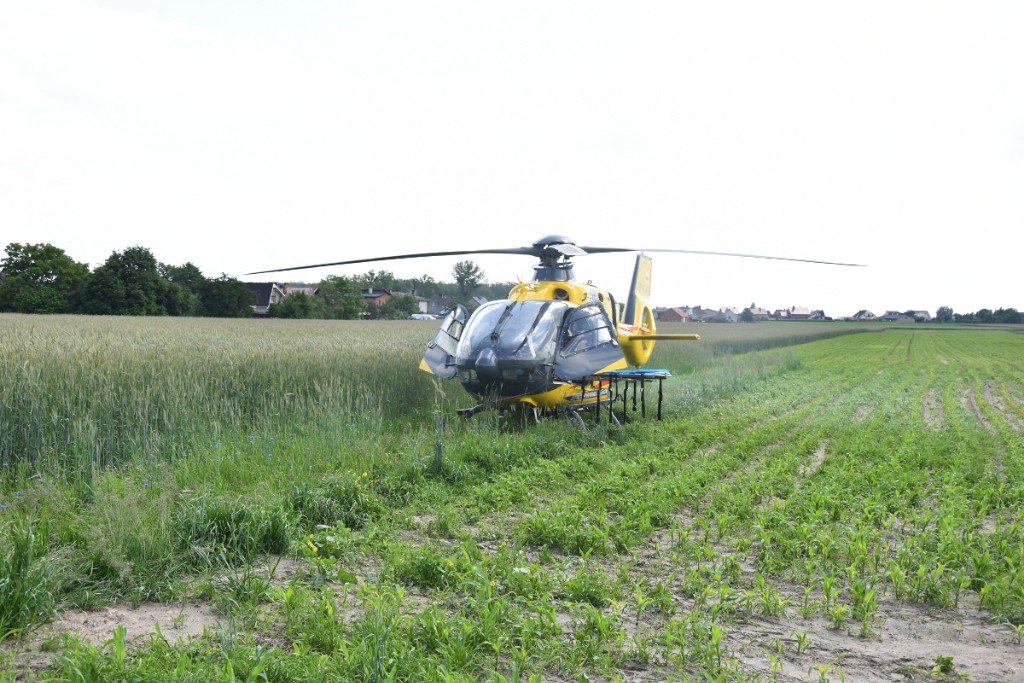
(553,344)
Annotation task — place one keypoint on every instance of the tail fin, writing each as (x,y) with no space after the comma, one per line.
(637,323)
(639,291)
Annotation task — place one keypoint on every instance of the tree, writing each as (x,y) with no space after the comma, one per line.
(178,299)
(188,276)
(944,314)
(226,297)
(424,286)
(399,307)
(340,298)
(1006,316)
(494,290)
(40,278)
(297,306)
(747,316)
(468,276)
(126,284)
(372,279)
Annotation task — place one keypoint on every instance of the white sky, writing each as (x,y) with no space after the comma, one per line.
(248,135)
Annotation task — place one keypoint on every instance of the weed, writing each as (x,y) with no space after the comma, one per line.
(589,586)
(27,580)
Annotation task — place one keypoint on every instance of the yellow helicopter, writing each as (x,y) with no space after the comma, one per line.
(554,344)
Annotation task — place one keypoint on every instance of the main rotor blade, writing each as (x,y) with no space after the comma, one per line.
(564,249)
(529,251)
(612,250)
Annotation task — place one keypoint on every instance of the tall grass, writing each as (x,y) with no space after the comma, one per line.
(721,339)
(78,393)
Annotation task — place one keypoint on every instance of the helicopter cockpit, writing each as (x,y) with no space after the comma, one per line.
(517,348)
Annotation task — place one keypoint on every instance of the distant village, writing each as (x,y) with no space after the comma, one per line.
(697,314)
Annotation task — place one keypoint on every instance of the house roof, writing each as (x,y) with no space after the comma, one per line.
(263,291)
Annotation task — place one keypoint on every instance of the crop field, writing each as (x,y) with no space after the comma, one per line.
(204,500)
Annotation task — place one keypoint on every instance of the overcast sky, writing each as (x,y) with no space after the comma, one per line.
(250,135)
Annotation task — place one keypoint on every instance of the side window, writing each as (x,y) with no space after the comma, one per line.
(454,328)
(451,330)
(585,328)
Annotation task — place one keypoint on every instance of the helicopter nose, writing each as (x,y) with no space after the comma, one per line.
(487,359)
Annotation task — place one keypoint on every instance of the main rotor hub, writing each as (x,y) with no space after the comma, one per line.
(551,240)
(554,252)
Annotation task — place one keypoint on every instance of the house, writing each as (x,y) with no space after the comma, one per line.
(864,315)
(376,297)
(267,293)
(698,314)
(726,315)
(439,305)
(674,315)
(793,313)
(922,316)
(760,314)
(897,317)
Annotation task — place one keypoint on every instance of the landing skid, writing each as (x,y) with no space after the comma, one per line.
(535,415)
(575,415)
(478,408)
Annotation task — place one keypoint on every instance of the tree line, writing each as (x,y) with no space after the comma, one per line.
(42,278)
(984,316)
(340,297)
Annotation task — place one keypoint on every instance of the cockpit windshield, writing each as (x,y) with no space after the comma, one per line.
(515,330)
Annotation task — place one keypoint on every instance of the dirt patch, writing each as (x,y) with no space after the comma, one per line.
(995,399)
(281,570)
(907,641)
(931,410)
(969,403)
(810,468)
(176,622)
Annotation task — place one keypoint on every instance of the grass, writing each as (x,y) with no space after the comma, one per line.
(805,483)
